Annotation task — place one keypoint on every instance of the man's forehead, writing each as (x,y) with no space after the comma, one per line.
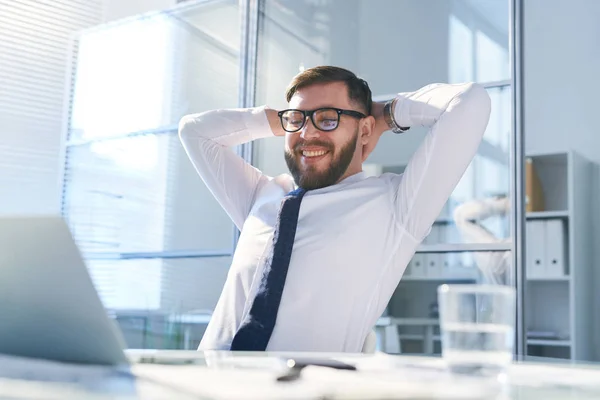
(333,94)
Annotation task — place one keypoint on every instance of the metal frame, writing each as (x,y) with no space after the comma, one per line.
(517,184)
(71,72)
(486,85)
(250,14)
(463,247)
(151,131)
(180,6)
(150,255)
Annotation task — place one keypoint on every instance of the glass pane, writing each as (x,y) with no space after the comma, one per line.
(451,41)
(141,194)
(479,206)
(414,305)
(561,178)
(162,67)
(478,41)
(160,303)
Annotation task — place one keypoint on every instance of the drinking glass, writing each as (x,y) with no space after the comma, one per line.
(477,324)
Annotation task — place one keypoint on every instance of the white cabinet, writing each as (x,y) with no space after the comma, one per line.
(559,266)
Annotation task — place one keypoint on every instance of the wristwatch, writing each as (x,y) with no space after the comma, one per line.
(388,117)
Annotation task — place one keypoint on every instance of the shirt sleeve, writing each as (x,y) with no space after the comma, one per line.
(469,215)
(457,116)
(208,139)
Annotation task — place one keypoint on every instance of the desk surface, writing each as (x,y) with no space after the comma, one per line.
(225,375)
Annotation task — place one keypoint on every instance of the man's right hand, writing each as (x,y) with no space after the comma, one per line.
(274,122)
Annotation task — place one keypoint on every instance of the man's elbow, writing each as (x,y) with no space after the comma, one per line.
(187,127)
(472,106)
(478,98)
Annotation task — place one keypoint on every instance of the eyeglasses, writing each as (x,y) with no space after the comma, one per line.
(324,119)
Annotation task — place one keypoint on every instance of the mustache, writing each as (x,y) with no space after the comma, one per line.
(303,143)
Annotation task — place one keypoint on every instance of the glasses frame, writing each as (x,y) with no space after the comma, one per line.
(311,113)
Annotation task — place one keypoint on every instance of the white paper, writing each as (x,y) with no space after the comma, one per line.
(377,378)
(563,375)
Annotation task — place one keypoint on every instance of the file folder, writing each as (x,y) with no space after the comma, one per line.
(555,248)
(433,260)
(451,263)
(536,249)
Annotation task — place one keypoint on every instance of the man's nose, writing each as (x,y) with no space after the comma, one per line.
(309,131)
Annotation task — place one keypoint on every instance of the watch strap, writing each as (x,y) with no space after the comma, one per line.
(388,117)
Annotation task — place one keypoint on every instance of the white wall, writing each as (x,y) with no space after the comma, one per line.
(562,64)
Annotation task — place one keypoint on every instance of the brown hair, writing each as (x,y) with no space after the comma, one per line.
(358,89)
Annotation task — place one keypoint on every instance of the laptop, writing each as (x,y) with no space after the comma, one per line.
(49,308)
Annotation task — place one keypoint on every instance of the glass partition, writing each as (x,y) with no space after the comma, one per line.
(156,242)
(561,184)
(398,46)
(450,41)
(128,179)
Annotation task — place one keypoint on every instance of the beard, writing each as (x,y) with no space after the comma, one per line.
(310,177)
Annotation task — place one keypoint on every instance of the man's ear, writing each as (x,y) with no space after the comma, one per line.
(367,126)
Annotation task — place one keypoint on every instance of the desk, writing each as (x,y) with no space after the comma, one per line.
(226,375)
(386,329)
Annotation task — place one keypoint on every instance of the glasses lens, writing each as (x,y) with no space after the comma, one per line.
(326,119)
(292,120)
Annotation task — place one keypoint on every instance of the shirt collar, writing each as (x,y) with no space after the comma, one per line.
(350,179)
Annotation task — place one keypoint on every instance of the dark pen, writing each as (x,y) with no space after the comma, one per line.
(296,365)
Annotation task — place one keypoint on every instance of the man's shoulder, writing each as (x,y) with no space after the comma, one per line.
(388,178)
(285,181)
(282,182)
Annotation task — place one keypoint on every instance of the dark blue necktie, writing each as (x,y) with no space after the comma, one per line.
(255,331)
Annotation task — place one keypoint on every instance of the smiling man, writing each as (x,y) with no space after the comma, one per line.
(322,250)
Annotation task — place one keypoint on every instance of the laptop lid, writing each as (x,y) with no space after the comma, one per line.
(49,308)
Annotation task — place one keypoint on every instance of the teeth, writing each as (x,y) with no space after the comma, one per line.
(313,153)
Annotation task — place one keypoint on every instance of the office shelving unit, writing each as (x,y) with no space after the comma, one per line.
(558,299)
(559,264)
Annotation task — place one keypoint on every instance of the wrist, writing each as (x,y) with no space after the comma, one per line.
(274,121)
(389,116)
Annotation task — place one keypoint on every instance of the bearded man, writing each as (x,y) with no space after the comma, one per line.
(323,248)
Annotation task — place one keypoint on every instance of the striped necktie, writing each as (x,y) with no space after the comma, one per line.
(256,329)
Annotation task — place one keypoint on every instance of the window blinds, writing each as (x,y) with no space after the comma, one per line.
(34,54)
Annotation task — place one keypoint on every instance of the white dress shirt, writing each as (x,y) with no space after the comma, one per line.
(354,239)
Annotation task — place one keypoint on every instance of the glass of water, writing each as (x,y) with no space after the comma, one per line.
(477,323)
